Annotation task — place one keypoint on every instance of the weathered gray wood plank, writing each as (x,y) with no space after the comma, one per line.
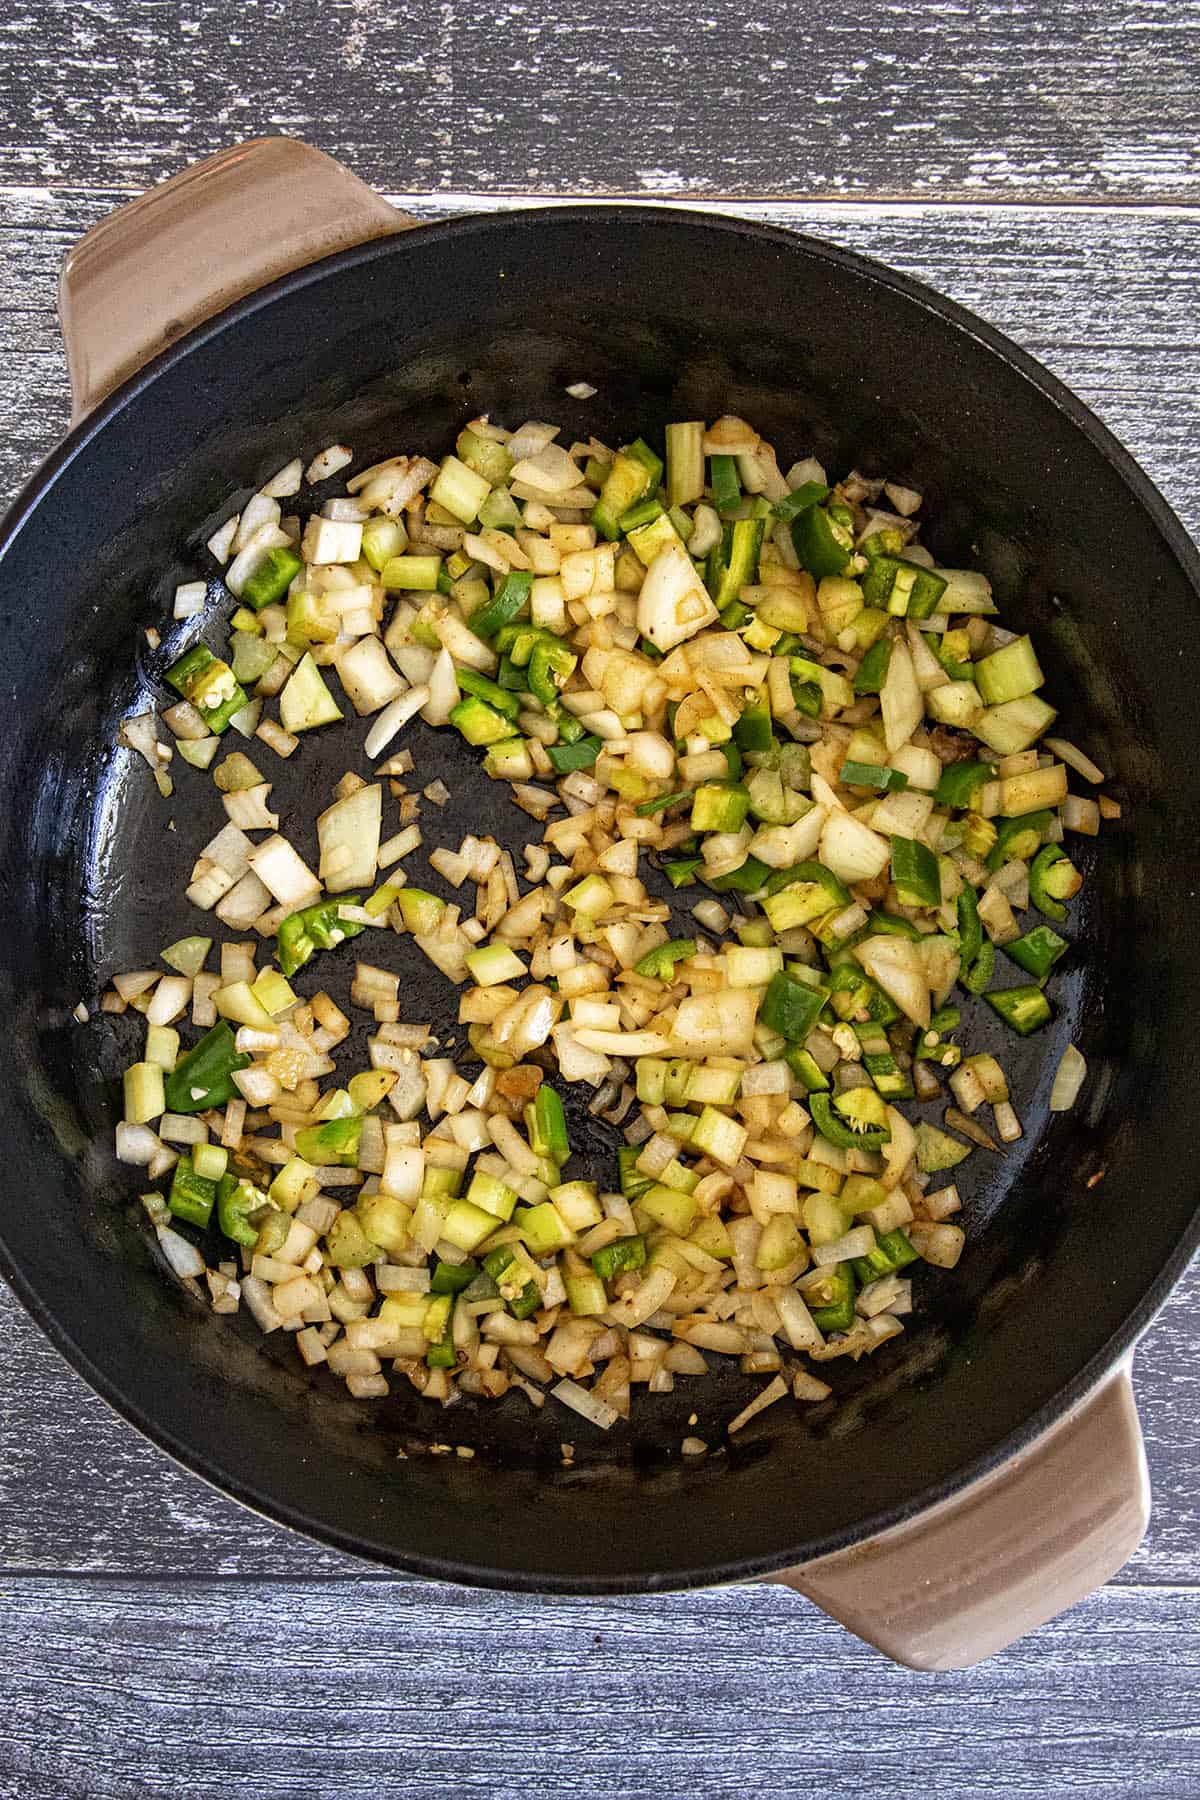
(118,1689)
(995,96)
(1106,298)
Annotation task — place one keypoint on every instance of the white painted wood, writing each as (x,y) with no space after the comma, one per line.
(992,97)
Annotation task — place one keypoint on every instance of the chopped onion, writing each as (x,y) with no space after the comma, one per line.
(1074,758)
(394,717)
(1068,1079)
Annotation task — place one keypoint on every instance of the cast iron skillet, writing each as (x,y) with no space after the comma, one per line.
(395,345)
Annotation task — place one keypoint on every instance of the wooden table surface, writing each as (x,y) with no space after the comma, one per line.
(1040,164)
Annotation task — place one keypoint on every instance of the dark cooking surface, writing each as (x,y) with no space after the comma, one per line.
(858,375)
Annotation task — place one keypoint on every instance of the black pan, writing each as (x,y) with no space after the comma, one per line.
(1075,1236)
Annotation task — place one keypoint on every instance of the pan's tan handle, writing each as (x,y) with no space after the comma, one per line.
(1013,1550)
(181,252)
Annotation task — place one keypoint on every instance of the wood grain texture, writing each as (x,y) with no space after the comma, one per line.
(951,99)
(348,1690)
(1104,296)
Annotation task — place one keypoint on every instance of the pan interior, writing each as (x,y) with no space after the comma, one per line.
(394,348)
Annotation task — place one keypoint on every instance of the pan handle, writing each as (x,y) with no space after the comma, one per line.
(184,250)
(1018,1547)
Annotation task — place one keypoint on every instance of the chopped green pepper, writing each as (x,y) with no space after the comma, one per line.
(615,1258)
(720,806)
(480,723)
(809,493)
(976,978)
(633,1182)
(747,878)
(884,924)
(204,1077)
(682,873)
(508,600)
(209,684)
(872,670)
(806,1069)
(500,699)
(550,665)
(633,472)
(580,754)
(873,775)
(838,1132)
(549,1135)
(732,563)
(915,873)
(822,541)
(191,1197)
(1053,878)
(1026,1009)
(1037,952)
(648,808)
(314,928)
(332,1144)
(970,928)
(271,579)
(659,963)
(452,1278)
(837,1290)
(1017,839)
(792,1007)
(236,1200)
(961,781)
(723,479)
(752,732)
(906,589)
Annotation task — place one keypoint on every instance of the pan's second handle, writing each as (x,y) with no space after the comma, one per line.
(181,252)
(1012,1551)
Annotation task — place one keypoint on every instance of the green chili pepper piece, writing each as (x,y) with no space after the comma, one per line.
(204,1077)
(578,755)
(1053,878)
(271,579)
(873,775)
(961,781)
(659,963)
(550,1126)
(633,1182)
(1037,952)
(970,930)
(508,600)
(1024,1008)
(791,1007)
(615,1258)
(809,493)
(976,978)
(648,808)
(682,874)
(331,1144)
(723,479)
(236,1199)
(872,670)
(500,699)
(835,1131)
(452,1278)
(192,1196)
(822,542)
(915,873)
